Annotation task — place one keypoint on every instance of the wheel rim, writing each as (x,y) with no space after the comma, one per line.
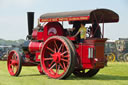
(55,58)
(126,57)
(13,63)
(40,69)
(111,57)
(120,58)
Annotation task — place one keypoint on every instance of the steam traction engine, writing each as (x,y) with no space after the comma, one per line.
(57,54)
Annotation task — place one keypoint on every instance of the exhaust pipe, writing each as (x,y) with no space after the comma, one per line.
(30,16)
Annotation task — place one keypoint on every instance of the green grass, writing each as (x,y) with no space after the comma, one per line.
(114,74)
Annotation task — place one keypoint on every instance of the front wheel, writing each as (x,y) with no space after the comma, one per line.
(86,72)
(57,58)
(14,63)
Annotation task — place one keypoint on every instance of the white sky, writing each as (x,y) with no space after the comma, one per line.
(13,17)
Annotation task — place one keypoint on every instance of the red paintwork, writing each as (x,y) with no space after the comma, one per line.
(34,34)
(98,47)
(71,38)
(52,29)
(35,46)
(39,36)
(81,49)
(38,56)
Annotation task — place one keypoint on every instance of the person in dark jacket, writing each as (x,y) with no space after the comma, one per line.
(96,30)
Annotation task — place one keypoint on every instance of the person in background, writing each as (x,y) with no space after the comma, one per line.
(82,31)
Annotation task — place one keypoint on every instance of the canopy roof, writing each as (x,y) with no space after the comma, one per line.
(101,15)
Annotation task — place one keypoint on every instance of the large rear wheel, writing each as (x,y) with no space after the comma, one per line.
(14,63)
(57,58)
(86,72)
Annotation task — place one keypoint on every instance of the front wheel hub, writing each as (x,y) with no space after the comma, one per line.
(57,57)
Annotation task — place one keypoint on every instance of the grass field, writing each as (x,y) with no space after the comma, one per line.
(114,74)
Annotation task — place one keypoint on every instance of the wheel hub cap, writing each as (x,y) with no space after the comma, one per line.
(57,57)
(14,62)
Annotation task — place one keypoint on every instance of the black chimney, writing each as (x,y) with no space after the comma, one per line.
(30,22)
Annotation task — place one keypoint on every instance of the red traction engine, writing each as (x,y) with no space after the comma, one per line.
(56,52)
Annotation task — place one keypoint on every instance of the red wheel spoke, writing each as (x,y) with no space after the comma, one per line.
(60,47)
(10,60)
(13,68)
(55,49)
(51,63)
(10,65)
(61,66)
(58,69)
(46,59)
(52,66)
(64,52)
(50,54)
(64,65)
(52,72)
(14,57)
(55,44)
(65,60)
(14,62)
(50,49)
(67,56)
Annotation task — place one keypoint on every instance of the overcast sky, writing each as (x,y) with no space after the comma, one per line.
(13,17)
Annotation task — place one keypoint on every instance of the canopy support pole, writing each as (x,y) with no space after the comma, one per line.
(103,29)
